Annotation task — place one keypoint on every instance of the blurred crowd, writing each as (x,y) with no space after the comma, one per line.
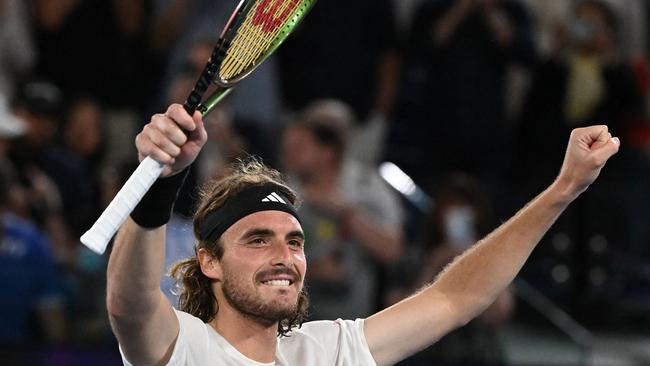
(473,99)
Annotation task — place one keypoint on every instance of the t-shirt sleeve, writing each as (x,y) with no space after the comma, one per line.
(343,340)
(191,344)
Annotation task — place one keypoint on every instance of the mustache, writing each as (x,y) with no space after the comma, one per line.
(295,276)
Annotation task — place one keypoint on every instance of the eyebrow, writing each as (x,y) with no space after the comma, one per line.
(257,232)
(296,234)
(268,232)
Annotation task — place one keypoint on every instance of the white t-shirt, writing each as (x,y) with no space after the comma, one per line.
(318,343)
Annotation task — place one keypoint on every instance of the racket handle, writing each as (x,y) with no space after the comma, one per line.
(97,238)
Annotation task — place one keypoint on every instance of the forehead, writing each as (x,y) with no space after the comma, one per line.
(279,222)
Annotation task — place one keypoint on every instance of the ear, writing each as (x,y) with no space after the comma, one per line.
(210,266)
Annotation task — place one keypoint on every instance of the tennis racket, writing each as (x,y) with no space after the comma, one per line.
(254,31)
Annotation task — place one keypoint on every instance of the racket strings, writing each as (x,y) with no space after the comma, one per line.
(249,42)
(257,30)
(256,35)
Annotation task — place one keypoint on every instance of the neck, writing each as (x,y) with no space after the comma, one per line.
(252,338)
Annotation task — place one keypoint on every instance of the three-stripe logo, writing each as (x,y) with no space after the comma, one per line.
(274,197)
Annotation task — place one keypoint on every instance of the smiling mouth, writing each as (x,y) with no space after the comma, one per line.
(277,282)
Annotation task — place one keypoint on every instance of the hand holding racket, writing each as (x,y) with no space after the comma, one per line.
(174,139)
(255,30)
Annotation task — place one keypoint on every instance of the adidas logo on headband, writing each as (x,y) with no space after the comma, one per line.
(273,197)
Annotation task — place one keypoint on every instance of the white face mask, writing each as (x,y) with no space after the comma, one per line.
(459,222)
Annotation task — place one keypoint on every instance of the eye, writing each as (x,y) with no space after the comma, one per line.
(297,243)
(258,241)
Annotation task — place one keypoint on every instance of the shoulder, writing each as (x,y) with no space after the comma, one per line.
(192,344)
(191,327)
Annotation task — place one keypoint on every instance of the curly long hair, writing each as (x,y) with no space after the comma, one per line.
(196,296)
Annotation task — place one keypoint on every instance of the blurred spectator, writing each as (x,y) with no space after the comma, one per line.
(11,127)
(636,298)
(78,159)
(33,310)
(111,50)
(352,220)
(584,82)
(450,112)
(405,12)
(115,62)
(632,33)
(81,151)
(356,58)
(461,217)
(17,53)
(40,105)
(553,16)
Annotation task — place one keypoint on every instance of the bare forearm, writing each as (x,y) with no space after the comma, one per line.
(478,276)
(134,270)
(467,286)
(141,317)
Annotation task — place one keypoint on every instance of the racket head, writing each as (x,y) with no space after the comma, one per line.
(254,32)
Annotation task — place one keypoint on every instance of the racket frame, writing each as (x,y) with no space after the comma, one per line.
(99,235)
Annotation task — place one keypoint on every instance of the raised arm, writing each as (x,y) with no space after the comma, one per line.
(474,279)
(141,317)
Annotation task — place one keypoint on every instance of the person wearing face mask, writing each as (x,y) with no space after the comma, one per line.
(461,217)
(454,89)
(585,80)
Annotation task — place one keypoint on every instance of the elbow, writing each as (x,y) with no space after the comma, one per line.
(115,307)
(475,308)
(462,311)
(464,319)
(128,297)
(116,299)
(130,307)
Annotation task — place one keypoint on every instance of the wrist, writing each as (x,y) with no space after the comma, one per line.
(155,208)
(563,191)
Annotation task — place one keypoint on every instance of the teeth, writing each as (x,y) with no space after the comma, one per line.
(277,283)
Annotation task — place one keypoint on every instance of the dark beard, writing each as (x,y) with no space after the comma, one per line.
(263,313)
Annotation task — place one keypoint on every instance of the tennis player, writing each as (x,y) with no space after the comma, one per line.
(244,298)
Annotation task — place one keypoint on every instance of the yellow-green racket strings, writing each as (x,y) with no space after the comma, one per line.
(256,34)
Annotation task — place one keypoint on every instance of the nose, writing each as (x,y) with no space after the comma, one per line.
(282,255)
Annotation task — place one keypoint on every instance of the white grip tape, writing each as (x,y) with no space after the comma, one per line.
(125,200)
